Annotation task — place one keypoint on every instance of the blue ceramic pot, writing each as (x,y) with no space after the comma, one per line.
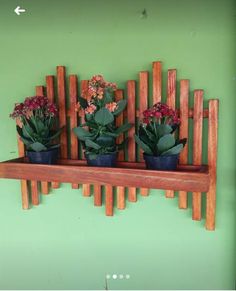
(161,163)
(45,157)
(106,160)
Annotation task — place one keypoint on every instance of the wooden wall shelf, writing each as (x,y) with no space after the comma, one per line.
(126,174)
(130,173)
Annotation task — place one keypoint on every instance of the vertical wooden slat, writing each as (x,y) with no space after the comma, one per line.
(197,148)
(132,195)
(73,89)
(61,92)
(171,96)
(212,160)
(83,87)
(119,121)
(157,81)
(51,96)
(109,200)
(24,186)
(97,195)
(44,185)
(143,105)
(34,193)
(183,133)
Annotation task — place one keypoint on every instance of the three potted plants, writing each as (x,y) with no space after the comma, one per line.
(37,127)
(99,132)
(156,138)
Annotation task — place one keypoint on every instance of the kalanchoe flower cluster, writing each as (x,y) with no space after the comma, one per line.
(96,93)
(36,122)
(34,106)
(161,113)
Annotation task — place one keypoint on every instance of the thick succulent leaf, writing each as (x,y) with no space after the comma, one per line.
(91,144)
(144,146)
(123,128)
(173,151)
(37,147)
(120,107)
(82,133)
(145,131)
(105,141)
(111,134)
(89,117)
(55,146)
(56,134)
(163,129)
(104,116)
(27,131)
(165,142)
(83,102)
(108,96)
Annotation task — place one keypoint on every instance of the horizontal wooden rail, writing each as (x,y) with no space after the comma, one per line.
(127,174)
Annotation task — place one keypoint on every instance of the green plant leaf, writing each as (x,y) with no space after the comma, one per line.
(120,107)
(165,142)
(37,147)
(112,134)
(163,129)
(27,131)
(105,141)
(83,102)
(123,128)
(173,151)
(82,133)
(56,134)
(144,146)
(108,96)
(91,144)
(104,116)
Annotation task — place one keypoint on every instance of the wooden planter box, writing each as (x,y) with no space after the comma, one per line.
(130,174)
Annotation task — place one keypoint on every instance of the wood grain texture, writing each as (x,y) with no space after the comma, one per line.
(212,161)
(109,200)
(171,96)
(73,93)
(39,90)
(24,185)
(51,96)
(143,105)
(97,195)
(157,81)
(132,195)
(61,92)
(34,192)
(183,133)
(119,95)
(126,174)
(197,148)
(86,189)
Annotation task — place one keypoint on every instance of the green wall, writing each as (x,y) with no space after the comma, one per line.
(67,243)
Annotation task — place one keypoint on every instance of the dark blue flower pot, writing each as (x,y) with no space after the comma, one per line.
(161,163)
(106,160)
(45,157)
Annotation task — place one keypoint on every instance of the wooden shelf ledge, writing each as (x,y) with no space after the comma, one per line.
(127,174)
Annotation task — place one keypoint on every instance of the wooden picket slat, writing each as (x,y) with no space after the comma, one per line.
(61,92)
(143,105)
(156,82)
(197,148)
(44,184)
(109,200)
(121,155)
(34,193)
(132,195)
(212,160)
(97,195)
(73,89)
(51,96)
(183,133)
(170,101)
(24,183)
(83,87)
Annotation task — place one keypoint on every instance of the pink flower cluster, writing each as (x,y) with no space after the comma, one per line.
(96,88)
(161,112)
(32,105)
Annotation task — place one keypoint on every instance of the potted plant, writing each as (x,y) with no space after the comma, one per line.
(99,132)
(156,138)
(37,127)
